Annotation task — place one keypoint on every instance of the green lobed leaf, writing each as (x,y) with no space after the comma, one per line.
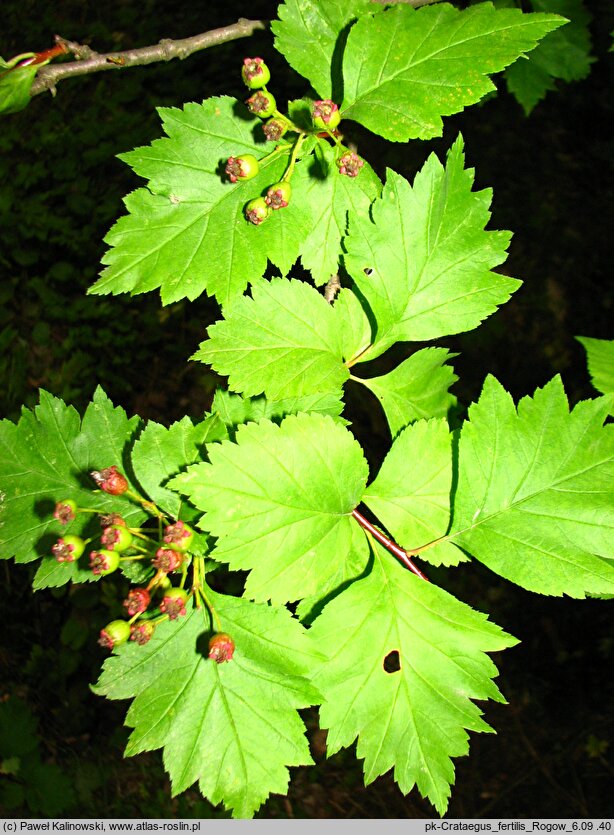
(283,341)
(354,565)
(405,68)
(417,388)
(562,55)
(411,494)
(214,720)
(162,452)
(47,457)
(309,34)
(415,719)
(535,495)
(234,409)
(48,790)
(354,325)
(15,86)
(17,729)
(330,196)
(424,262)
(279,500)
(186,233)
(600,359)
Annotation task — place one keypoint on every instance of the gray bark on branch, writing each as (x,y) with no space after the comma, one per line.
(88,61)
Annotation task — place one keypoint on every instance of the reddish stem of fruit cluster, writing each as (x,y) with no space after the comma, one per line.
(391,546)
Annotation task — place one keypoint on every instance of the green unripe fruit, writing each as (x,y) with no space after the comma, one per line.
(65,511)
(104,562)
(257,211)
(115,633)
(255,73)
(116,538)
(274,129)
(242,168)
(68,548)
(325,114)
(178,536)
(278,195)
(173,603)
(263,104)
(221,648)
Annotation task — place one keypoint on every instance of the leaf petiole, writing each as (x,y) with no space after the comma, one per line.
(297,146)
(198,591)
(388,544)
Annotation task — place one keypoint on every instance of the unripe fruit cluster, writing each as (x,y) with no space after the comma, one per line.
(325,117)
(145,606)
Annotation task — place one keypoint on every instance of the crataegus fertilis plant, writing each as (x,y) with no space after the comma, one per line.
(336,611)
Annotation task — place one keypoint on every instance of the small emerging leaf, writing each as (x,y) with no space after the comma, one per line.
(15,87)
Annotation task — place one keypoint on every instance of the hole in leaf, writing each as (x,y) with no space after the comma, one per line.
(392,662)
(368,271)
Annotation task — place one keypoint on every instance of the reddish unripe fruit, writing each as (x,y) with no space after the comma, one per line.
(350,164)
(325,114)
(68,548)
(257,211)
(173,603)
(278,195)
(65,511)
(140,633)
(104,562)
(179,536)
(167,559)
(274,129)
(110,480)
(255,73)
(109,519)
(263,104)
(242,168)
(116,538)
(137,601)
(221,647)
(115,633)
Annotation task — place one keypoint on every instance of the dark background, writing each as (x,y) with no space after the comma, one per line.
(61,191)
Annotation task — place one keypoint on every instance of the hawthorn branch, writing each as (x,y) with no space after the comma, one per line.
(87,61)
